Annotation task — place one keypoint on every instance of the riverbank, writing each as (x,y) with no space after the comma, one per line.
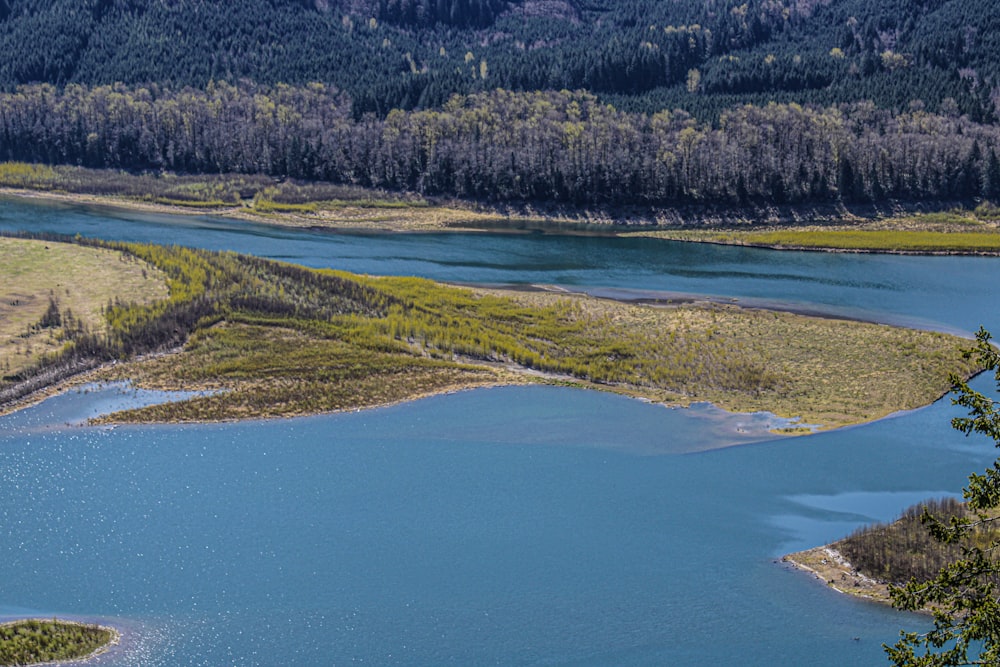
(867,561)
(827,372)
(891,227)
(830,566)
(955,232)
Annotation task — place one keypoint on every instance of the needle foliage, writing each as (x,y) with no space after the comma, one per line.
(964,594)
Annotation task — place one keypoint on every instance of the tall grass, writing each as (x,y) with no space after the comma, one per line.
(915,241)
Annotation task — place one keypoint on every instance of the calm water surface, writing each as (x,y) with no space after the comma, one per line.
(509,526)
(949,293)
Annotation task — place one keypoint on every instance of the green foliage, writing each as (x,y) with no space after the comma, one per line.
(190,203)
(963,594)
(33,641)
(988,211)
(33,176)
(284,339)
(565,339)
(271,369)
(264,205)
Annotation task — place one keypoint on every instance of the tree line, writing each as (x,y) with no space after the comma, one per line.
(505,146)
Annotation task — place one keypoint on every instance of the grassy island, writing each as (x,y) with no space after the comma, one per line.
(274,339)
(34,641)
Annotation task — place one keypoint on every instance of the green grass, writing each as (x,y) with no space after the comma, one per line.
(192,203)
(34,641)
(886,240)
(956,230)
(275,371)
(269,206)
(408,336)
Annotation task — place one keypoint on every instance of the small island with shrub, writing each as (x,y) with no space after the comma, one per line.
(39,641)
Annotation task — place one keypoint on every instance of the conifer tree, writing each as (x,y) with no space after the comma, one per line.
(963,596)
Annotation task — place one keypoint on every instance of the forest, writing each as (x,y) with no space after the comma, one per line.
(653,103)
(703,56)
(508,146)
(35,641)
(905,549)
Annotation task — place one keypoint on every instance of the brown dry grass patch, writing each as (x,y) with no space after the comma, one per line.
(828,372)
(80,279)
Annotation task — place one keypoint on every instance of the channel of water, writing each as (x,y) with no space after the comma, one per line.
(528,525)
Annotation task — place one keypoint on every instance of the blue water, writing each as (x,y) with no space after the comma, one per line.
(530,525)
(510,526)
(947,293)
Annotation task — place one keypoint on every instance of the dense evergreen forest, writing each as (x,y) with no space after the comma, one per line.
(722,101)
(643,55)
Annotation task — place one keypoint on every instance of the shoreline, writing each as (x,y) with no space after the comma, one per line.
(819,409)
(829,566)
(822,249)
(675,299)
(501,374)
(514,378)
(778,427)
(93,376)
(331,224)
(454,217)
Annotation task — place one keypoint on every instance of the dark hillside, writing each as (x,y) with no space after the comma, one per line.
(644,55)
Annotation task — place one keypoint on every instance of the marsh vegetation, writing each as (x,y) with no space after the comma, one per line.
(958,230)
(277,339)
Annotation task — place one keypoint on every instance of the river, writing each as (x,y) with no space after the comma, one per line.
(526,525)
